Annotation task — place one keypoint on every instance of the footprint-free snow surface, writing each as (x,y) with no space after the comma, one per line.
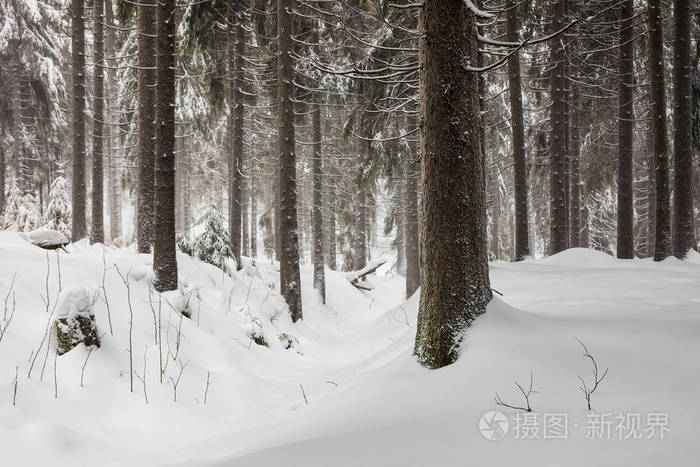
(341,387)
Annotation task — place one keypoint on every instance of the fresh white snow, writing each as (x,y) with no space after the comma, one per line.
(369,403)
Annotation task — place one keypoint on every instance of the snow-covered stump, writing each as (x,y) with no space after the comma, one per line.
(75,320)
(47,239)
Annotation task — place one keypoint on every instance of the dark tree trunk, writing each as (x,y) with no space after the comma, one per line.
(317,199)
(290,280)
(400,223)
(454,266)
(235,57)
(317,203)
(331,215)
(360,260)
(574,159)
(625,175)
(411,224)
(97,231)
(79,227)
(558,187)
(683,215)
(147,128)
(651,193)
(164,256)
(114,188)
(658,118)
(253,215)
(3,172)
(522,249)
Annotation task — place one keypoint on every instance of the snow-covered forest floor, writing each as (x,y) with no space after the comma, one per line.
(348,391)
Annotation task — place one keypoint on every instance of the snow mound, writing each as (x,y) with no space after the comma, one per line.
(580,257)
(75,301)
(46,238)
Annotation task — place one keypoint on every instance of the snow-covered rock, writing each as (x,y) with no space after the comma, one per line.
(47,238)
(75,320)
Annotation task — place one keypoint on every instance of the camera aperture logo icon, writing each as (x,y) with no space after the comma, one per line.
(493,425)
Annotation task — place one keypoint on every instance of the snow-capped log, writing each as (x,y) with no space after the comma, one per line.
(75,320)
(48,239)
(356,276)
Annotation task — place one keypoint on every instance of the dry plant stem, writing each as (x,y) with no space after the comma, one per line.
(41,344)
(125,280)
(58,266)
(143,378)
(3,327)
(153,311)
(304,394)
(46,357)
(7,297)
(14,392)
(104,293)
(82,370)
(48,272)
(176,382)
(526,395)
(160,339)
(597,376)
(55,378)
(206,389)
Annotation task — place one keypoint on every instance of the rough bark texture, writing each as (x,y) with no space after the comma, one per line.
(253,215)
(3,170)
(147,92)
(235,54)
(575,170)
(113,169)
(683,215)
(662,241)
(558,187)
(78,194)
(330,202)
(412,240)
(454,269)
(317,203)
(164,257)
(625,176)
(522,249)
(290,281)
(97,230)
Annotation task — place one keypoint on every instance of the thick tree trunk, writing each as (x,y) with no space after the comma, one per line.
(114,179)
(3,173)
(454,267)
(411,223)
(147,129)
(290,281)
(331,215)
(79,225)
(558,187)
(97,231)
(658,118)
(400,223)
(26,164)
(683,215)
(625,175)
(317,200)
(253,215)
(164,256)
(651,193)
(235,56)
(574,159)
(522,249)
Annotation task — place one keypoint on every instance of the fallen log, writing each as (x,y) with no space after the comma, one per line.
(356,276)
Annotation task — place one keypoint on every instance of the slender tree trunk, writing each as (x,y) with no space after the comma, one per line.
(253,215)
(683,214)
(411,223)
(660,146)
(625,175)
(400,223)
(317,203)
(28,133)
(522,249)
(79,227)
(164,256)
(97,233)
(332,259)
(361,230)
(3,170)
(574,158)
(558,190)
(147,129)
(651,193)
(290,280)
(235,57)
(495,211)
(114,179)
(455,284)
